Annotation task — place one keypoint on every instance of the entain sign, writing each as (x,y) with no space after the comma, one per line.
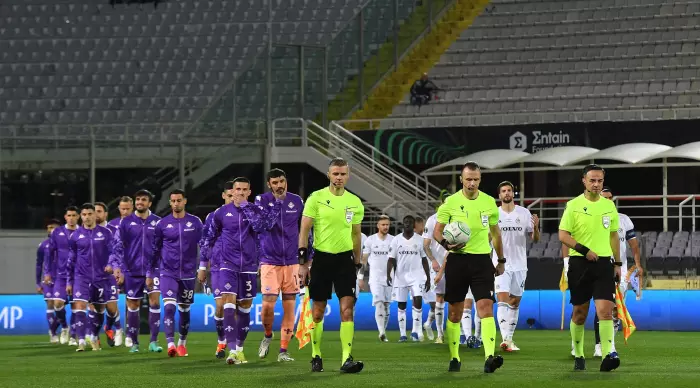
(538,140)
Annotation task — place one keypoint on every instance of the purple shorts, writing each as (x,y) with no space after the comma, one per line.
(135,286)
(180,289)
(97,292)
(216,284)
(57,289)
(243,285)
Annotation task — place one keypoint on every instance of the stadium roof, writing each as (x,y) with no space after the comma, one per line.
(570,157)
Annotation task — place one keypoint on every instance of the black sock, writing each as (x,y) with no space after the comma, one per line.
(597,329)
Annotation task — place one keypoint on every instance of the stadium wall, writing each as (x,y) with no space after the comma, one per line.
(657,310)
(18,260)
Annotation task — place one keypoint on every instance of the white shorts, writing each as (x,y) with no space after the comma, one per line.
(435,289)
(380,293)
(512,282)
(400,294)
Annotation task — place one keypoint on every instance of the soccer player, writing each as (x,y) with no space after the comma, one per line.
(411,273)
(101,213)
(516,224)
(469,266)
(126,208)
(47,289)
(132,255)
(55,270)
(375,252)
(589,228)
(436,254)
(336,216)
(279,265)
(89,275)
(114,337)
(175,250)
(236,225)
(212,256)
(627,235)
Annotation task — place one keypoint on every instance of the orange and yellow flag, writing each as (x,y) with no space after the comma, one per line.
(563,284)
(306,322)
(628,327)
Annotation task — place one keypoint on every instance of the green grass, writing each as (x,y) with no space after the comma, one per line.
(653,359)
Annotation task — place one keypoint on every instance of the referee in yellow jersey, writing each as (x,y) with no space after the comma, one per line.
(335,215)
(589,228)
(470,265)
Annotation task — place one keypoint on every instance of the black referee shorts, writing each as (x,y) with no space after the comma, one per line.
(329,271)
(463,271)
(591,279)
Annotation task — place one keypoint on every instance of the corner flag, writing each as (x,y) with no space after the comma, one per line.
(306,322)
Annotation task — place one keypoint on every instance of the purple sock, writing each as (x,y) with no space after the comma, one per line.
(72,323)
(81,323)
(169,322)
(97,322)
(117,322)
(230,324)
(220,329)
(184,322)
(243,325)
(51,320)
(112,321)
(61,317)
(132,325)
(154,322)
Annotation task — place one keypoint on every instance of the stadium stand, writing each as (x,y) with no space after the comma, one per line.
(538,56)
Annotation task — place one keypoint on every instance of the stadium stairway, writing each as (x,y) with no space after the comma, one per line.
(420,59)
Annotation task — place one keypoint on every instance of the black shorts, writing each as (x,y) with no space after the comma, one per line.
(332,271)
(591,279)
(464,271)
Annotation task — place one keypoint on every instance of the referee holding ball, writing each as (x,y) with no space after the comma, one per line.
(589,228)
(335,215)
(470,265)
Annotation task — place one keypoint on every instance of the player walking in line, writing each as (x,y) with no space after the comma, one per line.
(175,247)
(113,326)
(411,273)
(212,256)
(279,265)
(336,216)
(436,254)
(626,235)
(131,257)
(470,266)
(516,224)
(236,225)
(89,275)
(55,270)
(126,208)
(589,228)
(375,253)
(42,253)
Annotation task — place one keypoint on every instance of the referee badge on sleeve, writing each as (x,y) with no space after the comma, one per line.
(484,220)
(348,215)
(606,222)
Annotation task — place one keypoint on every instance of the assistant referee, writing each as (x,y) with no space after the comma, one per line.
(335,215)
(470,265)
(589,228)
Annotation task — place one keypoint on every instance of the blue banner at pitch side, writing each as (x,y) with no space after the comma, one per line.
(657,310)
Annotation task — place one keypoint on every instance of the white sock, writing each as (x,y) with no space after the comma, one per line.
(181,342)
(386,316)
(239,348)
(402,322)
(503,313)
(431,318)
(467,323)
(514,312)
(418,321)
(477,326)
(440,318)
(379,317)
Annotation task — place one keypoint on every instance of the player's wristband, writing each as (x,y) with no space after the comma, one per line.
(444,243)
(360,276)
(303,255)
(502,260)
(617,263)
(582,249)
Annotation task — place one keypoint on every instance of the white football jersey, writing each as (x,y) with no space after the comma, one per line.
(409,256)
(378,251)
(515,227)
(625,232)
(439,253)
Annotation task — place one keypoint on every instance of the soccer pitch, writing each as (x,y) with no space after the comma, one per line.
(652,359)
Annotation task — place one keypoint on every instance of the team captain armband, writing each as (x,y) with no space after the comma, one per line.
(582,249)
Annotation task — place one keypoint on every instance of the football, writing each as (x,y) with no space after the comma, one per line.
(457,233)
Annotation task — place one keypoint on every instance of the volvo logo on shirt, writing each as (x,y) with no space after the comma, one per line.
(408,252)
(511,229)
(380,253)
